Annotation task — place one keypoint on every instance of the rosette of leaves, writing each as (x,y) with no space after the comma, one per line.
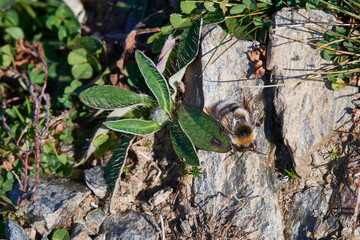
(189,128)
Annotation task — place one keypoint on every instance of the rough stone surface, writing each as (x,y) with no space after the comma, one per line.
(309,111)
(95,180)
(305,216)
(81,236)
(130,226)
(95,218)
(100,237)
(81,226)
(14,232)
(241,187)
(56,201)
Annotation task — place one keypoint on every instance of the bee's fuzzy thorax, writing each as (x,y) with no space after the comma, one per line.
(236,120)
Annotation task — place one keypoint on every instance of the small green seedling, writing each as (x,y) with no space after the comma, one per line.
(291,173)
(334,155)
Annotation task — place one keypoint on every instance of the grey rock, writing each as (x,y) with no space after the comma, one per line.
(81,236)
(56,201)
(100,237)
(131,226)
(239,188)
(95,218)
(14,232)
(305,216)
(95,180)
(82,226)
(309,111)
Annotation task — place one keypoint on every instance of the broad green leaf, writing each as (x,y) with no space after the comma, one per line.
(7,185)
(189,45)
(64,171)
(6,4)
(12,16)
(179,21)
(110,98)
(64,12)
(72,25)
(100,140)
(60,234)
(238,9)
(8,202)
(214,17)
(75,84)
(187,7)
(328,54)
(53,21)
(154,80)
(8,50)
(82,71)
(210,6)
(338,84)
(52,147)
(68,90)
(15,32)
(62,33)
(203,130)
(94,63)
(133,126)
(91,44)
(117,161)
(188,50)
(183,147)
(77,56)
(5,60)
(250,4)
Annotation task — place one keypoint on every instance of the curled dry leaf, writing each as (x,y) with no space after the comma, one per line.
(258,57)
(355,80)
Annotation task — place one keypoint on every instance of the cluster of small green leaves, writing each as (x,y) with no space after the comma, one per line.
(189,128)
(245,19)
(72,60)
(340,46)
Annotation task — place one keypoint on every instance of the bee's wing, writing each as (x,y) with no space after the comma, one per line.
(257,109)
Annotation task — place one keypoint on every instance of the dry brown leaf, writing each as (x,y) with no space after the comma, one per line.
(8,164)
(258,57)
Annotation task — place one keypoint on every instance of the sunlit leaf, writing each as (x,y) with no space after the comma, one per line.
(203,130)
(179,21)
(110,98)
(82,71)
(133,126)
(154,80)
(116,163)
(77,56)
(60,234)
(183,146)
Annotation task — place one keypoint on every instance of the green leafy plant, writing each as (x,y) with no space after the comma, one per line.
(60,234)
(189,128)
(291,173)
(41,48)
(334,155)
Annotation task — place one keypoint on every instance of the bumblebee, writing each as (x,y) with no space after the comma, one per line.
(236,120)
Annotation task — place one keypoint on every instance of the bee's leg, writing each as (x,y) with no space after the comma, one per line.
(254,146)
(245,101)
